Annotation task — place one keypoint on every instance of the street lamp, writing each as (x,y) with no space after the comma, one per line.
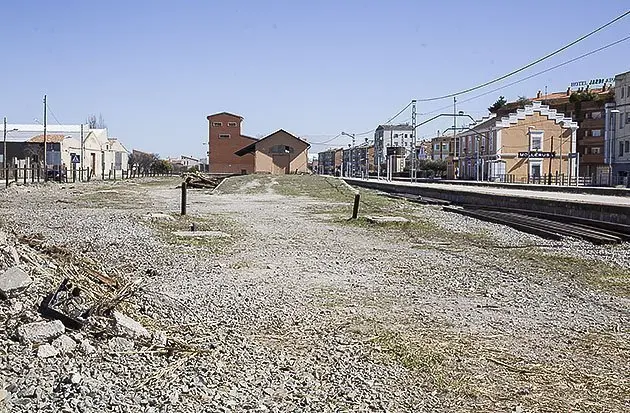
(4,150)
(610,144)
(351,152)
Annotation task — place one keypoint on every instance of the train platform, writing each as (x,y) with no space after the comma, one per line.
(609,208)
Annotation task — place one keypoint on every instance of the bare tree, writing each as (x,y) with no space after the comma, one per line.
(95,123)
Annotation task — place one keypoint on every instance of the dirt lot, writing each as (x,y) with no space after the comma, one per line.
(300,309)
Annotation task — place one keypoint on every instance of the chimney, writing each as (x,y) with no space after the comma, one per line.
(569,91)
(539,94)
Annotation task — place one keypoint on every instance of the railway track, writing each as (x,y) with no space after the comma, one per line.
(543,224)
(550,226)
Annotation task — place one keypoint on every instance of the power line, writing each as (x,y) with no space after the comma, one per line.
(53,115)
(528,65)
(534,75)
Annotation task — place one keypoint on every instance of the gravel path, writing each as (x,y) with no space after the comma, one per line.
(300,310)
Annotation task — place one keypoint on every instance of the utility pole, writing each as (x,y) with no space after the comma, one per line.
(455,130)
(4,150)
(413,140)
(352,158)
(550,161)
(45,160)
(82,148)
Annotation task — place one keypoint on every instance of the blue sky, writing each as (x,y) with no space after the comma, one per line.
(155,69)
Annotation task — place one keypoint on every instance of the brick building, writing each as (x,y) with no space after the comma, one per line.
(278,153)
(224,140)
(586,107)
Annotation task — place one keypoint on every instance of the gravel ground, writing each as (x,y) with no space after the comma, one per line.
(301,310)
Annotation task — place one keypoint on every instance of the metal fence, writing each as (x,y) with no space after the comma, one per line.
(34,174)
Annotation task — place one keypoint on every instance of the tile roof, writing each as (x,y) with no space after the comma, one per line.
(53,138)
(402,126)
(225,113)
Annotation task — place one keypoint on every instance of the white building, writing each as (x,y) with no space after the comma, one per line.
(619,132)
(98,152)
(394,136)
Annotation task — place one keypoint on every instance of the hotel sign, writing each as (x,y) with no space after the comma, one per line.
(593,83)
(536,154)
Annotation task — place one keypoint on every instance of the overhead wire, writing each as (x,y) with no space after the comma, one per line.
(533,75)
(53,114)
(527,66)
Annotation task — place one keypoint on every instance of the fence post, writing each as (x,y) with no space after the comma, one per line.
(15,173)
(25,170)
(184,198)
(6,176)
(355,207)
(33,173)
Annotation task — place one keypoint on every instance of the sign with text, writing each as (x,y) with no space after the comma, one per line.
(593,83)
(536,154)
(573,155)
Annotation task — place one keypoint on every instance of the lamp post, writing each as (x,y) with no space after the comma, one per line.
(4,146)
(352,170)
(610,144)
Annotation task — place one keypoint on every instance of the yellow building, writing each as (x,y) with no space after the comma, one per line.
(522,147)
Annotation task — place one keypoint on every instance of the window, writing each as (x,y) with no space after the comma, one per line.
(224,136)
(627,146)
(620,149)
(283,149)
(596,115)
(596,133)
(628,117)
(622,90)
(231,123)
(621,121)
(535,168)
(535,139)
(217,124)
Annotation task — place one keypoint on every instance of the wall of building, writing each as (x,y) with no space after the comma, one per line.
(222,157)
(515,138)
(621,129)
(268,162)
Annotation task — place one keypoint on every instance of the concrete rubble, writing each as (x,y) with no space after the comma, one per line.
(127,326)
(13,281)
(41,331)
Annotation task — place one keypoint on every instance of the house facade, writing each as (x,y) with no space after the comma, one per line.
(586,106)
(392,136)
(278,153)
(619,125)
(89,148)
(224,140)
(522,147)
(326,162)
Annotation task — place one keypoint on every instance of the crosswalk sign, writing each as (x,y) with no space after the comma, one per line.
(74,158)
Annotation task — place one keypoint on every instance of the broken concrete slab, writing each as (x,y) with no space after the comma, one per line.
(120,344)
(159,216)
(86,347)
(46,351)
(64,343)
(41,331)
(127,326)
(216,234)
(386,220)
(12,281)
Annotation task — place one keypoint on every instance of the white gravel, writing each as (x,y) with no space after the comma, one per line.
(294,313)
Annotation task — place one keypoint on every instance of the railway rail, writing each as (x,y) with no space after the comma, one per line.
(543,224)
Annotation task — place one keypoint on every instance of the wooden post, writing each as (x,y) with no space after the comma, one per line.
(15,173)
(38,173)
(32,173)
(25,173)
(184,198)
(355,208)
(6,176)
